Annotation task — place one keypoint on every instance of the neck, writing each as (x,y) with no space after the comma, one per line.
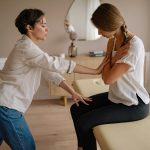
(34,40)
(119,35)
(119,39)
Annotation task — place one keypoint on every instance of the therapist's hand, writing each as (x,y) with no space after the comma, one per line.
(77,97)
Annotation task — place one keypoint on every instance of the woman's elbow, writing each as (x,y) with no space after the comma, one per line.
(108,80)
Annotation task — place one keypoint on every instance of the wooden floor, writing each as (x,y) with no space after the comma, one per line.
(51,125)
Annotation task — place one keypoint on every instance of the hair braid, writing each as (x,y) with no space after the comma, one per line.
(125,33)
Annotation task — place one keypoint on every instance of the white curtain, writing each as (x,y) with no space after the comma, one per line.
(92,32)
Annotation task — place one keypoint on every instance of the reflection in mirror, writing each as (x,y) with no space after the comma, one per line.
(78,19)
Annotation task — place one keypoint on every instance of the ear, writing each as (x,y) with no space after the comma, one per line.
(29,28)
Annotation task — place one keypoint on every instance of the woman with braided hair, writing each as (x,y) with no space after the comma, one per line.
(127,99)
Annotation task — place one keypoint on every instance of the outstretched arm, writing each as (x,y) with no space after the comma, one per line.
(58,80)
(85,70)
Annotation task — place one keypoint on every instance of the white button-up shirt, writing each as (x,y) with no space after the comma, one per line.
(21,74)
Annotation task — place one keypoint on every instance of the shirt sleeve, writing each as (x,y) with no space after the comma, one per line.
(54,77)
(36,57)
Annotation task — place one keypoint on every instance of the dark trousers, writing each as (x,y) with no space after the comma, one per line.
(102,111)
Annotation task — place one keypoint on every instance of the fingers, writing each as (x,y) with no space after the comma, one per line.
(106,58)
(105,61)
(87,99)
(83,100)
(77,103)
(126,46)
(123,52)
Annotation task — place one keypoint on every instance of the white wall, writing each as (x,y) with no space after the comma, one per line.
(136,13)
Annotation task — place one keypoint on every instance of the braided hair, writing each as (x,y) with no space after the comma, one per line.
(125,34)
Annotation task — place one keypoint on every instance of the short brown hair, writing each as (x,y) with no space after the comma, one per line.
(27,17)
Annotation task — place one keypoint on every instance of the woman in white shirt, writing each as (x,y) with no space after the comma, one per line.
(20,78)
(127,99)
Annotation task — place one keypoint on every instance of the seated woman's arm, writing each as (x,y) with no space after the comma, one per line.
(113,71)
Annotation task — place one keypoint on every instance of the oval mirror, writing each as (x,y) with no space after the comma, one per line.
(78,20)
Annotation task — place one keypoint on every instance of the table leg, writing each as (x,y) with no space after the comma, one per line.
(65,100)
